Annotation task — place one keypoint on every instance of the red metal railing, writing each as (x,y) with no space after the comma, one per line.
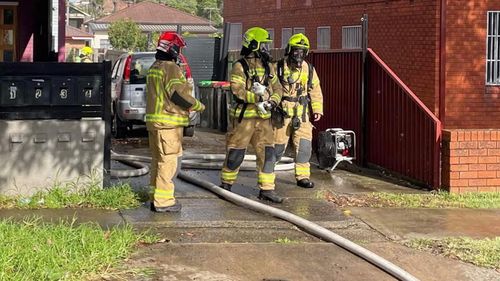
(402,134)
(340,73)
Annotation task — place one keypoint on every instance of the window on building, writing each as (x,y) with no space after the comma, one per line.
(297,30)
(235,36)
(493,49)
(286,33)
(104,44)
(324,37)
(351,37)
(271,34)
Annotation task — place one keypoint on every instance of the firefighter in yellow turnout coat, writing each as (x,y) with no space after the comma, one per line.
(256,90)
(301,90)
(169,102)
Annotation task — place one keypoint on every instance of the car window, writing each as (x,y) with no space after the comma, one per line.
(139,67)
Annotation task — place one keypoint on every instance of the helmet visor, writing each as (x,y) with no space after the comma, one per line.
(298,55)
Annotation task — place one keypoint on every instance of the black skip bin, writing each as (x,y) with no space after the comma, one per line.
(12,92)
(89,90)
(37,91)
(63,91)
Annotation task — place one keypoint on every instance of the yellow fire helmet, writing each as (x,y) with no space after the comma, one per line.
(254,37)
(87,50)
(298,40)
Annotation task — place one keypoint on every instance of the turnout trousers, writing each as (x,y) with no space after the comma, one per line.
(302,144)
(166,151)
(259,133)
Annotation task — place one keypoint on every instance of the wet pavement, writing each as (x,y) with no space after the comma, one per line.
(212,239)
(431,223)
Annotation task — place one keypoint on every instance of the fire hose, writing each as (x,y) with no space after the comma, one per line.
(205,161)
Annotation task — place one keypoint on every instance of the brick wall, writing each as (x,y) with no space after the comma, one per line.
(403,33)
(471,160)
(469,102)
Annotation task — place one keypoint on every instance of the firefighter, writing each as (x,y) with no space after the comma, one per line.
(86,54)
(301,90)
(256,90)
(169,102)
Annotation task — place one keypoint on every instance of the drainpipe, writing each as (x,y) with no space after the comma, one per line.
(442,94)
(364,84)
(442,63)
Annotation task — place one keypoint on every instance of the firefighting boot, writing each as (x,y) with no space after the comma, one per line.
(170,209)
(305,183)
(270,195)
(226,186)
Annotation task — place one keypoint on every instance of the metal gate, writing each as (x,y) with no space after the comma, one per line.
(203,57)
(402,136)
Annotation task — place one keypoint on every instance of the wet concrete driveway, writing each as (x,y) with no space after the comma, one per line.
(212,239)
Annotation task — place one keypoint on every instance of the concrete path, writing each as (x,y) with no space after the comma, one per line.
(211,239)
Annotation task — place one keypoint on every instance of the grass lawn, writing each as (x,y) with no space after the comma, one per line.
(115,197)
(34,250)
(485,200)
(484,252)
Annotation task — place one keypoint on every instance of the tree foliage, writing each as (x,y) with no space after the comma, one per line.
(125,35)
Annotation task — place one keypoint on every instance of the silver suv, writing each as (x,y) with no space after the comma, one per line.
(128,91)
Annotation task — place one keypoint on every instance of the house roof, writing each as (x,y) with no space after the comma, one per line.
(147,12)
(73,32)
(160,27)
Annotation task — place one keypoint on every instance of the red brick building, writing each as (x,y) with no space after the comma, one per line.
(446,51)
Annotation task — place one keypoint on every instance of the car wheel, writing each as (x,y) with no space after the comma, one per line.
(118,128)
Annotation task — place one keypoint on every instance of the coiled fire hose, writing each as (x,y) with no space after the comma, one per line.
(199,161)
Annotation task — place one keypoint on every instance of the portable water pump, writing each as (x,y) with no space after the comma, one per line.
(334,146)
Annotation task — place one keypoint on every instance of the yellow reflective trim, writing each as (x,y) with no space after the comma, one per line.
(159,99)
(164,194)
(317,106)
(315,81)
(266,179)
(197,106)
(171,83)
(229,178)
(229,175)
(249,113)
(251,97)
(266,176)
(238,79)
(151,75)
(164,191)
(298,168)
(276,98)
(168,119)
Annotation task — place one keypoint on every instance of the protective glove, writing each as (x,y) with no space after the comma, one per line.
(268,105)
(261,106)
(258,89)
(265,106)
